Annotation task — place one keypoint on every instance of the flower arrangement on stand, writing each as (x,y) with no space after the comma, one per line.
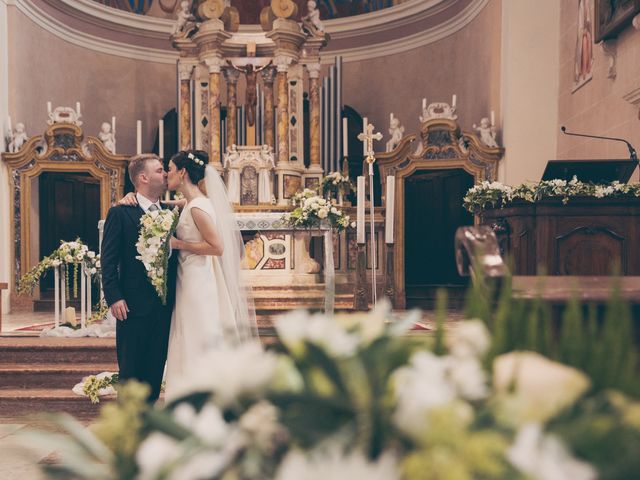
(336,185)
(356,396)
(153,246)
(311,211)
(495,194)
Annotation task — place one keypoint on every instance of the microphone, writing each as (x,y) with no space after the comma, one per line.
(632,151)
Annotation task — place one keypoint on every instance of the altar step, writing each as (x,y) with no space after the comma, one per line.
(37,374)
(424,296)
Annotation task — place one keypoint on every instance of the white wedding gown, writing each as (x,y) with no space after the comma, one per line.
(202,306)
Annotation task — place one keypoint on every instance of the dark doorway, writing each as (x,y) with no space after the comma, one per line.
(69,209)
(433,212)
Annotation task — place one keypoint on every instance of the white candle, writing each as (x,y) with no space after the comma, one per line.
(345,137)
(391,117)
(161,138)
(78,108)
(493,118)
(113,125)
(390,199)
(424,104)
(49,108)
(453,101)
(360,211)
(139,137)
(9,128)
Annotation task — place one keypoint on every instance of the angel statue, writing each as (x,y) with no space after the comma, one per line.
(487,132)
(183,18)
(396,131)
(250,101)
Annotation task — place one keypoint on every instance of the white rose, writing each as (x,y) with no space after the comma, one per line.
(91,254)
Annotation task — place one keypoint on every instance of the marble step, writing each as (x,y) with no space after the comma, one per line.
(46,375)
(66,351)
(17,404)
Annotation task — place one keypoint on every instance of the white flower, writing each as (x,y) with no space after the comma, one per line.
(208,424)
(542,387)
(68,258)
(91,254)
(469,339)
(544,457)
(323,212)
(468,377)
(231,373)
(154,452)
(335,465)
(260,423)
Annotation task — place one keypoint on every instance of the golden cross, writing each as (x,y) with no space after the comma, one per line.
(367,138)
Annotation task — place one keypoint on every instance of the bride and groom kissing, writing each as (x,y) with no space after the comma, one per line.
(207,304)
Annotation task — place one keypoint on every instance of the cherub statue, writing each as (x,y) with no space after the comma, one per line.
(108,137)
(396,131)
(487,132)
(231,158)
(17,138)
(311,22)
(183,18)
(266,154)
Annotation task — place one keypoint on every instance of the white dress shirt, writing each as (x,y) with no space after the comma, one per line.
(145,203)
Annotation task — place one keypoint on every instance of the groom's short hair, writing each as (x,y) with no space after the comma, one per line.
(137,164)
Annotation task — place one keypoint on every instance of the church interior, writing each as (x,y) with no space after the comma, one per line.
(477,162)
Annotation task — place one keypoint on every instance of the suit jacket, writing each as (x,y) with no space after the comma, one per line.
(123,275)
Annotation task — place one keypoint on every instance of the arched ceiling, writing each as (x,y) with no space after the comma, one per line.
(250,9)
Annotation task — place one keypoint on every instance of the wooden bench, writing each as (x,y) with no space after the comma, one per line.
(3,286)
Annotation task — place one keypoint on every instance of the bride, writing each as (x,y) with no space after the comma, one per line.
(212,309)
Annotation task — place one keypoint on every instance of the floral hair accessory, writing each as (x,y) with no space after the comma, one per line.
(195,159)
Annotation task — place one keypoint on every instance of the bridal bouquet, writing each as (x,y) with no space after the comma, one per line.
(153,246)
(311,210)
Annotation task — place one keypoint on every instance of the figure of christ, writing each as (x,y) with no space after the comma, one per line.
(251,96)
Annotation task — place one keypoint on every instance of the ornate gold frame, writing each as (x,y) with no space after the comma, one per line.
(443,146)
(60,149)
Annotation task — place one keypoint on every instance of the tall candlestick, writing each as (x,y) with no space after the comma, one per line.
(113,125)
(138,137)
(360,226)
(161,138)
(9,128)
(389,210)
(345,137)
(49,108)
(78,108)
(391,117)
(424,104)
(493,118)
(453,101)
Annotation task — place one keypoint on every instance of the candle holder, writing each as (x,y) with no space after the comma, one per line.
(360,302)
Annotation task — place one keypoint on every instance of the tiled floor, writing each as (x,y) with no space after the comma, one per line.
(17,462)
(15,320)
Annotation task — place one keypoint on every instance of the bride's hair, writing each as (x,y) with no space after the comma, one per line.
(195,161)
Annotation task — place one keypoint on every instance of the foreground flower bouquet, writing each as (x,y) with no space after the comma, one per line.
(358,396)
(311,210)
(156,229)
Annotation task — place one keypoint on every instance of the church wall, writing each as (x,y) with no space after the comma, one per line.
(5,239)
(598,106)
(464,63)
(43,67)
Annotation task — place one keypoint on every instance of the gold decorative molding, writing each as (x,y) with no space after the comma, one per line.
(60,149)
(442,146)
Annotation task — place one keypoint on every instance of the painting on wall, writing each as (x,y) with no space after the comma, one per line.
(583,62)
(613,16)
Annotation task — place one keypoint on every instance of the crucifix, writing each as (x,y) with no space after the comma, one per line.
(367,137)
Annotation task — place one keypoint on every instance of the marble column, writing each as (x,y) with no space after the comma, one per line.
(268,75)
(283,114)
(215,65)
(314,113)
(231,76)
(184,70)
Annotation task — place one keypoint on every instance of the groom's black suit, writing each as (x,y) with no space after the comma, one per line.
(141,339)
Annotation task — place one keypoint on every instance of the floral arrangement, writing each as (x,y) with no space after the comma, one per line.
(311,210)
(495,194)
(98,385)
(336,183)
(153,246)
(68,254)
(354,396)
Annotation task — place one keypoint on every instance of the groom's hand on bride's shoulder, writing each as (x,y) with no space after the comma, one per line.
(119,309)
(129,200)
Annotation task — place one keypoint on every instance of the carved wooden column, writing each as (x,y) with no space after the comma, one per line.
(214,64)
(314,113)
(268,75)
(283,114)
(231,77)
(184,70)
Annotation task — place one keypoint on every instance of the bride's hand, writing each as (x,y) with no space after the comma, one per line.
(129,199)
(175,203)
(174,243)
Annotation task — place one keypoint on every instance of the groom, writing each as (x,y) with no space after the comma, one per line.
(142,330)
